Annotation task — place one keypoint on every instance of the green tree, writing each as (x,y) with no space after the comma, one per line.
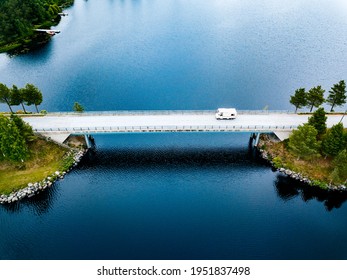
(12,143)
(3,131)
(340,170)
(334,141)
(299,99)
(315,97)
(5,96)
(25,129)
(78,107)
(303,142)
(32,95)
(337,96)
(318,121)
(16,95)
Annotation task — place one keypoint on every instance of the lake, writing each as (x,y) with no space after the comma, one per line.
(188,195)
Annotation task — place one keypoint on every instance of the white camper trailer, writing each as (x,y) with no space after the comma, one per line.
(226,113)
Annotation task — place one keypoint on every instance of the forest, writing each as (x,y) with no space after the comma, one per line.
(18,18)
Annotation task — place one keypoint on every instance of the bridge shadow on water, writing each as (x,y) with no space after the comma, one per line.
(170,157)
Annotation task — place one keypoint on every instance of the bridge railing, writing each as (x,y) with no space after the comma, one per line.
(168,112)
(169,128)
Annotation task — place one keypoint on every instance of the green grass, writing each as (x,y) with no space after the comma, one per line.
(46,158)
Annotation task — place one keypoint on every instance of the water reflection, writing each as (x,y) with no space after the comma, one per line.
(288,188)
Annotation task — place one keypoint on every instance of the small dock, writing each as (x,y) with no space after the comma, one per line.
(51,32)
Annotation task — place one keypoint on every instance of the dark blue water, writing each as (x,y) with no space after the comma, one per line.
(180,196)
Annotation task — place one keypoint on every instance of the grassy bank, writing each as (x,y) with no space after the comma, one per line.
(45,159)
(318,169)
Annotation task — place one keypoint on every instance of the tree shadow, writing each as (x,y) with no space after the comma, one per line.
(288,188)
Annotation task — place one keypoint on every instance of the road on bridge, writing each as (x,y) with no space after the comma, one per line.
(85,120)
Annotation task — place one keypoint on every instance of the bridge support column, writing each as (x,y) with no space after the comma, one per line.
(257,139)
(253,138)
(89,141)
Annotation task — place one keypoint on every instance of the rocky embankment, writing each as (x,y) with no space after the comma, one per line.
(295,175)
(34,188)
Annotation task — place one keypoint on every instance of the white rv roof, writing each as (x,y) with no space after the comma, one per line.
(226,109)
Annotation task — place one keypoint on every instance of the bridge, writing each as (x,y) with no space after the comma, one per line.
(59,126)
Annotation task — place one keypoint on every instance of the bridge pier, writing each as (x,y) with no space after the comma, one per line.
(254,138)
(90,142)
(257,139)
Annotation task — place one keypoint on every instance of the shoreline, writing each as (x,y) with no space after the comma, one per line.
(35,40)
(24,45)
(298,176)
(75,153)
(37,187)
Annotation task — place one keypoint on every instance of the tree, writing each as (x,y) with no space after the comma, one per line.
(78,107)
(318,121)
(337,96)
(25,129)
(5,96)
(32,95)
(16,97)
(334,141)
(340,163)
(12,143)
(299,99)
(3,131)
(303,142)
(315,97)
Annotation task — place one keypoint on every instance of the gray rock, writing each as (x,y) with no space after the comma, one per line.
(288,172)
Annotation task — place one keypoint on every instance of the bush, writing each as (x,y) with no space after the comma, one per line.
(78,107)
(277,162)
(68,162)
(319,184)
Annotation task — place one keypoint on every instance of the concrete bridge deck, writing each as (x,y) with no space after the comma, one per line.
(169,121)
